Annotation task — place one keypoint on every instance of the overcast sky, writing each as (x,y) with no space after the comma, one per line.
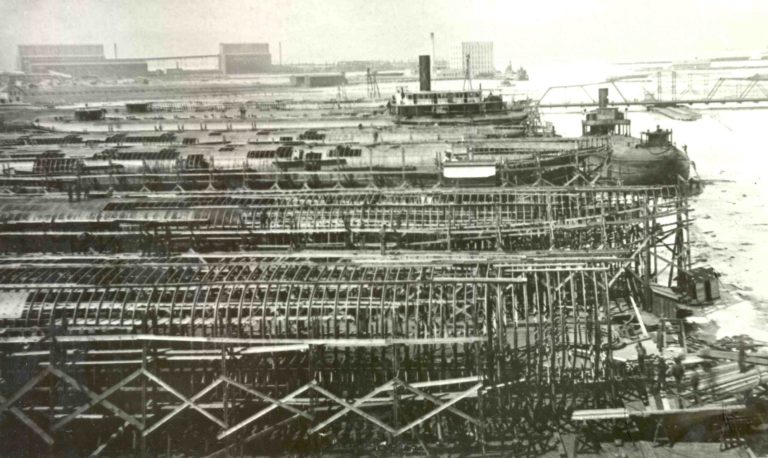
(525,32)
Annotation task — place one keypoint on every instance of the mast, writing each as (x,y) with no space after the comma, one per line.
(467,75)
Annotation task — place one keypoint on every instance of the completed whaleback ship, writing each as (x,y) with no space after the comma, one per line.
(651,159)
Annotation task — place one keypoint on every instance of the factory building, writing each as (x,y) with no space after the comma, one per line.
(89,60)
(108,68)
(480,57)
(241,58)
(31,56)
(319,80)
(76,60)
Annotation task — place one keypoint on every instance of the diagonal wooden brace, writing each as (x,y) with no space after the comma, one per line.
(28,421)
(188,403)
(95,400)
(171,390)
(108,405)
(439,409)
(358,411)
(268,398)
(439,402)
(263,412)
(387,386)
(23,390)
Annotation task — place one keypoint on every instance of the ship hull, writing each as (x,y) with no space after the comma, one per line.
(514,118)
(632,164)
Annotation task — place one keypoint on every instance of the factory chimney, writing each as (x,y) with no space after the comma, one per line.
(434,58)
(603,97)
(115,44)
(425,78)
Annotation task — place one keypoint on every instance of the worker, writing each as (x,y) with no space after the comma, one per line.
(83,242)
(347,230)
(710,376)
(678,371)
(661,374)
(168,240)
(383,239)
(641,357)
(69,193)
(742,356)
(264,219)
(695,387)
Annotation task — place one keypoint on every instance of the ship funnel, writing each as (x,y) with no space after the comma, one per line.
(603,97)
(425,78)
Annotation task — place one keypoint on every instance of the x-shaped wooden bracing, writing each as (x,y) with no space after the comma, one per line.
(413,388)
(101,399)
(95,399)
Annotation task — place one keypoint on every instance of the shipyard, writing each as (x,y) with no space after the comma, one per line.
(262,229)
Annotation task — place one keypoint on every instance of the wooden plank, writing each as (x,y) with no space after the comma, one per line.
(611,414)
(374,342)
(638,316)
(733,356)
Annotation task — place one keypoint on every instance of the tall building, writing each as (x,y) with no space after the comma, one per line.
(33,58)
(236,58)
(480,57)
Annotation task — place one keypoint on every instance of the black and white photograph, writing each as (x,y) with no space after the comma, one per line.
(392,228)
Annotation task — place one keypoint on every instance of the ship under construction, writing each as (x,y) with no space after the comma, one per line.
(512,298)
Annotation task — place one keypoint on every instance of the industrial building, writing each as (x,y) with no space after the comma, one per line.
(77,60)
(319,80)
(480,57)
(108,68)
(89,60)
(30,56)
(240,58)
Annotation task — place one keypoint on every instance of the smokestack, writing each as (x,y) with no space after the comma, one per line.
(603,97)
(425,78)
(115,44)
(434,58)
(280,52)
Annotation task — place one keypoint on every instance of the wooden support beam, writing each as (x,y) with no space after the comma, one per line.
(186,401)
(106,404)
(232,429)
(441,407)
(96,400)
(359,402)
(28,422)
(184,405)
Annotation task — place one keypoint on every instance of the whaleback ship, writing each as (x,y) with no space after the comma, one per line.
(651,159)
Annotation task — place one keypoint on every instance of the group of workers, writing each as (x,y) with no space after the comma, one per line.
(678,371)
